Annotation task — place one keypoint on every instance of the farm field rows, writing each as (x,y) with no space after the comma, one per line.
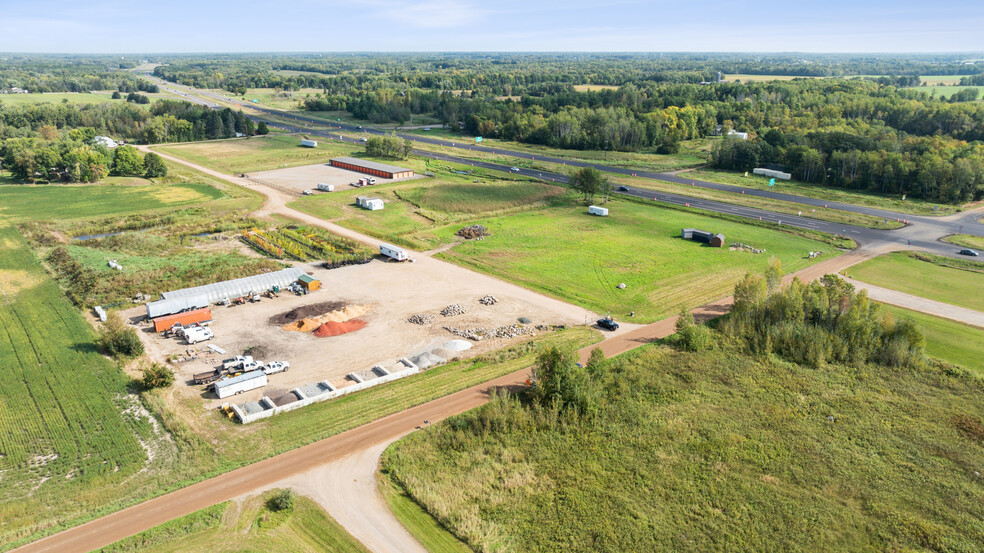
(905,272)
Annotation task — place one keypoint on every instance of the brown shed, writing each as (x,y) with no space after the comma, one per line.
(717,241)
(309,283)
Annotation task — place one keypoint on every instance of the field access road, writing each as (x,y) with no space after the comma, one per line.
(923,233)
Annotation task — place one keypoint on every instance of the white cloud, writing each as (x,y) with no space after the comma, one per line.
(432,14)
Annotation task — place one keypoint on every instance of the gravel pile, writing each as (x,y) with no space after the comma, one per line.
(488,300)
(426,360)
(445,353)
(453,310)
(478,334)
(421,319)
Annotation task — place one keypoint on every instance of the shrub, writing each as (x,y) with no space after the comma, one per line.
(119,341)
(157,376)
(154,166)
(283,500)
(696,338)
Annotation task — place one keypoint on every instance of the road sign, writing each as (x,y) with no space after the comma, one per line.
(772,182)
(478,139)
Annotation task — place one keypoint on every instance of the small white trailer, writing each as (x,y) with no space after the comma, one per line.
(309,143)
(326,187)
(394,252)
(245,382)
(374,204)
(599,211)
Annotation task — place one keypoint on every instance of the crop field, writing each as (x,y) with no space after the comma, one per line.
(239,155)
(481,198)
(566,253)
(248,526)
(948,340)
(714,451)
(306,244)
(905,272)
(62,420)
(54,98)
(833,194)
(947,91)
(21,203)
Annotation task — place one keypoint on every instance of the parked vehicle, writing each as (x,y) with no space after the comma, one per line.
(225,387)
(307,193)
(252,366)
(207,377)
(608,323)
(623,188)
(969,252)
(197,334)
(276,367)
(236,362)
(393,252)
(371,180)
(514,169)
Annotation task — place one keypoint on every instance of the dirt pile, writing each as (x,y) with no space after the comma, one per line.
(333,328)
(453,310)
(303,325)
(473,232)
(306,312)
(346,313)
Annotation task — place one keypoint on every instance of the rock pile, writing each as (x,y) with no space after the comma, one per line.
(421,319)
(478,334)
(487,300)
(453,310)
(474,232)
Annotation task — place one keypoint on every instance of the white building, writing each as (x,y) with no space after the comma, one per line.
(105,141)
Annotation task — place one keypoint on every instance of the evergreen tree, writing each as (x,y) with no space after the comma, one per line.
(154,166)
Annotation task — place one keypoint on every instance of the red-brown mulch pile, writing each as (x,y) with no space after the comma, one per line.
(336,329)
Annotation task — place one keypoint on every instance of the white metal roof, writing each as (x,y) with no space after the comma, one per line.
(372,165)
(176,305)
(222,383)
(239,287)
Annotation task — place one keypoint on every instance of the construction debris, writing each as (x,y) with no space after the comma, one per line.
(421,319)
(453,310)
(474,232)
(738,246)
(478,334)
(488,300)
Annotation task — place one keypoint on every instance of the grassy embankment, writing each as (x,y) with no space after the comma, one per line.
(251,526)
(966,241)
(954,281)
(714,451)
(890,202)
(948,340)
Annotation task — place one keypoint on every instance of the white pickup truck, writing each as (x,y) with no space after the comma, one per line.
(276,367)
(252,366)
(236,361)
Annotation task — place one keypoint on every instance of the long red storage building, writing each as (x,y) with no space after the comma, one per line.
(372,168)
(188,317)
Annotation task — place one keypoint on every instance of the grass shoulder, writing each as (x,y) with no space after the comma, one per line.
(954,281)
(425,528)
(966,241)
(947,340)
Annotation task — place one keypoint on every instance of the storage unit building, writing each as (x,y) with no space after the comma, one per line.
(238,384)
(180,304)
(394,252)
(309,283)
(309,143)
(697,235)
(599,211)
(189,317)
(372,168)
(717,241)
(235,288)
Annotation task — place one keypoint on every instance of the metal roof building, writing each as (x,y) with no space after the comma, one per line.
(176,305)
(372,168)
(238,287)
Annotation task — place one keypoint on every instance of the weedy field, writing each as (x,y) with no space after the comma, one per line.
(253,525)
(261,153)
(938,278)
(713,451)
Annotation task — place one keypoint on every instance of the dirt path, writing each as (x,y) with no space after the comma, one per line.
(923,305)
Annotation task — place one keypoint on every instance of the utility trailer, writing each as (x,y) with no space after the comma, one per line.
(225,387)
(393,252)
(207,377)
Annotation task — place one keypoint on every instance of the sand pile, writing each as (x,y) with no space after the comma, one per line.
(306,312)
(303,325)
(347,313)
(333,328)
(444,352)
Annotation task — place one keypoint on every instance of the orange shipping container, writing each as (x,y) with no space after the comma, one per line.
(186,318)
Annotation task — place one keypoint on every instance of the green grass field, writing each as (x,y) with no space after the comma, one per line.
(47,202)
(966,241)
(833,194)
(948,340)
(421,525)
(257,154)
(904,272)
(54,98)
(566,253)
(246,527)
(713,452)
(948,91)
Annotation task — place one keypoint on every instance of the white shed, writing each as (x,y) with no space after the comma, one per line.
(309,143)
(599,211)
(372,204)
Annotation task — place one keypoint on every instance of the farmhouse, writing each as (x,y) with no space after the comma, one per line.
(372,168)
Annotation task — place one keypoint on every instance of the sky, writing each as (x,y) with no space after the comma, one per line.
(152,26)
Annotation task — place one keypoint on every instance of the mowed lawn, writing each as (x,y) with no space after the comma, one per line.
(948,340)
(903,272)
(241,155)
(568,254)
(247,526)
(47,202)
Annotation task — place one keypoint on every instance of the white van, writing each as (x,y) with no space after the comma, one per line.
(197,334)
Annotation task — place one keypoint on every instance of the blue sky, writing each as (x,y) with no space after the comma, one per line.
(504,25)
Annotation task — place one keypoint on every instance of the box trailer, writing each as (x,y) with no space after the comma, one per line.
(309,143)
(393,252)
(245,382)
(188,317)
(326,187)
(599,211)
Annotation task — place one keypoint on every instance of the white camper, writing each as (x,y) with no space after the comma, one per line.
(393,252)
(373,204)
(309,143)
(326,187)
(245,382)
(599,211)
